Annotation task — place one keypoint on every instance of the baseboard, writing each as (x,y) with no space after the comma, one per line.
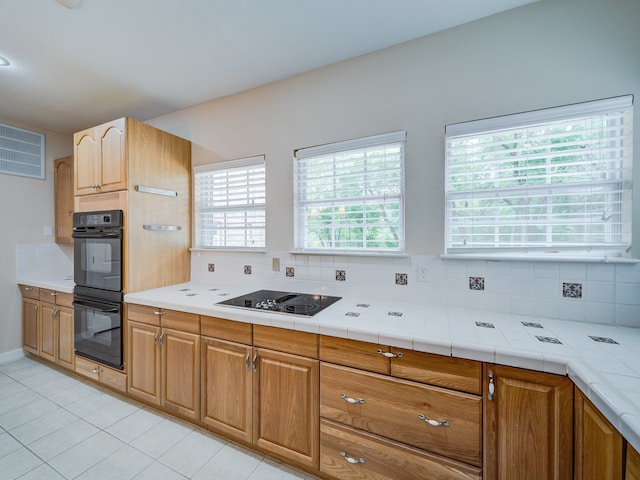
(11,356)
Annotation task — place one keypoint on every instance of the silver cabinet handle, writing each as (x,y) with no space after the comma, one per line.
(54,313)
(155,338)
(97,370)
(246,361)
(492,386)
(389,354)
(432,422)
(351,400)
(166,228)
(162,336)
(35,307)
(351,459)
(28,289)
(54,294)
(158,312)
(255,366)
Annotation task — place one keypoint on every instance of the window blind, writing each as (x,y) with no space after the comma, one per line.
(350,195)
(556,180)
(21,152)
(230,201)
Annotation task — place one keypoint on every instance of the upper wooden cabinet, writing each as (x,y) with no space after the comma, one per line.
(63,196)
(100,158)
(528,425)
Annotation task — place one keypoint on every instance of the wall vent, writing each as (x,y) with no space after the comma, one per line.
(21,152)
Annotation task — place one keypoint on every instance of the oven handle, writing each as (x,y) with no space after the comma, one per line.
(103,307)
(96,234)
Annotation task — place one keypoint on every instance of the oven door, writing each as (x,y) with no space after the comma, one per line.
(98,330)
(98,260)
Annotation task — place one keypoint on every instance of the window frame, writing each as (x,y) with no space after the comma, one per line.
(229,165)
(557,251)
(335,149)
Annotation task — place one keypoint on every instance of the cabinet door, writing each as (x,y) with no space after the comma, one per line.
(48,331)
(528,425)
(633,464)
(63,196)
(65,337)
(598,445)
(227,387)
(286,406)
(181,372)
(144,362)
(86,162)
(30,312)
(111,137)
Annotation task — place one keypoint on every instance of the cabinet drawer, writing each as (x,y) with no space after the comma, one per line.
(376,458)
(64,299)
(99,373)
(353,353)
(229,330)
(447,372)
(30,292)
(451,423)
(183,321)
(143,314)
(284,340)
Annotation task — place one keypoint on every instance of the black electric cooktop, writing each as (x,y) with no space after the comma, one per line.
(284,302)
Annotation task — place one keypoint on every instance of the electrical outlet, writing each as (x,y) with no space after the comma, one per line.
(422,273)
(275,264)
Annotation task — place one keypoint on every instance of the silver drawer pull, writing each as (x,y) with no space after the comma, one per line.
(351,459)
(97,370)
(351,400)
(389,354)
(434,423)
(158,312)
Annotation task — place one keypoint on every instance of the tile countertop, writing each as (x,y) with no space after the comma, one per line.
(602,360)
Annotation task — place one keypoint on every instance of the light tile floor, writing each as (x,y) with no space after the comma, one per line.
(53,427)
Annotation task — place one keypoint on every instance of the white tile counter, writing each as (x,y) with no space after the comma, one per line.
(62,284)
(608,373)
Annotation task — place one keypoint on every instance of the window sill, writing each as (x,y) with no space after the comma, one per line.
(345,253)
(538,257)
(222,249)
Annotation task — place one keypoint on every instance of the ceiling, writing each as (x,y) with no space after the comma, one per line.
(75,68)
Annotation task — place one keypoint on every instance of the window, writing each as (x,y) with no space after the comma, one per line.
(555,180)
(350,195)
(230,204)
(21,152)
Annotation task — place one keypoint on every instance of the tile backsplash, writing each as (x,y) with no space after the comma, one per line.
(587,292)
(43,260)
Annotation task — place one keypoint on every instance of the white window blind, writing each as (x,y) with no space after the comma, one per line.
(21,152)
(230,204)
(350,195)
(555,180)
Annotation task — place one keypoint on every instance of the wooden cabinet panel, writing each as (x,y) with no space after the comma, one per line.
(528,425)
(183,321)
(48,331)
(114,379)
(144,362)
(431,418)
(633,464)
(181,372)
(30,329)
(227,387)
(447,372)
(66,350)
(63,199)
(112,163)
(283,340)
(351,454)
(28,291)
(352,353)
(86,162)
(143,314)
(598,446)
(230,330)
(286,406)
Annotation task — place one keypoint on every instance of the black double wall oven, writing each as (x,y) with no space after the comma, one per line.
(98,295)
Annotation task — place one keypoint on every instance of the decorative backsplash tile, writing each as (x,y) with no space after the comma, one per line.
(247,269)
(290,272)
(211,267)
(572,290)
(341,275)
(402,279)
(476,283)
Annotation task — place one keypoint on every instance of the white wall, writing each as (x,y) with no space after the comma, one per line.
(27,207)
(551,53)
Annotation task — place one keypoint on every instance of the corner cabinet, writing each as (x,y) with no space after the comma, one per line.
(63,193)
(100,160)
(528,425)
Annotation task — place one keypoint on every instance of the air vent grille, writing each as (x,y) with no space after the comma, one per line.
(21,152)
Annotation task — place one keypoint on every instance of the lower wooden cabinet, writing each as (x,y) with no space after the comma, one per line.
(112,378)
(528,425)
(30,330)
(598,445)
(632,470)
(347,453)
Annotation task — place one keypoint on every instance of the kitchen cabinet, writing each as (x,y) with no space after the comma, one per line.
(528,425)
(164,359)
(47,322)
(100,158)
(63,199)
(110,377)
(598,446)
(632,470)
